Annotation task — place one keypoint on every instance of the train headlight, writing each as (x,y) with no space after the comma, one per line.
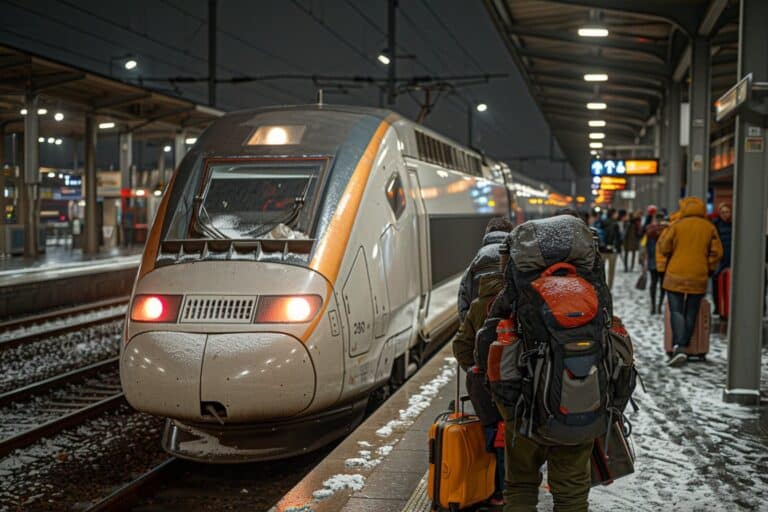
(155,308)
(287,309)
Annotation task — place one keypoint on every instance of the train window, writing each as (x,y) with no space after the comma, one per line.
(433,150)
(396,195)
(247,200)
(420,145)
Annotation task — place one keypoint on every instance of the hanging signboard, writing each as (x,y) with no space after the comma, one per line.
(647,167)
(736,96)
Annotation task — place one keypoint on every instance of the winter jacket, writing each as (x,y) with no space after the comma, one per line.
(464,339)
(724,232)
(692,247)
(632,235)
(486,261)
(612,236)
(652,234)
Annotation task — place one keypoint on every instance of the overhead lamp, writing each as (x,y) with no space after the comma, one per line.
(51,174)
(596,123)
(597,136)
(190,140)
(42,111)
(383,59)
(23,111)
(58,116)
(157,193)
(59,142)
(41,139)
(130,64)
(593,32)
(106,126)
(482,107)
(596,106)
(593,152)
(595,77)
(167,149)
(51,140)
(596,145)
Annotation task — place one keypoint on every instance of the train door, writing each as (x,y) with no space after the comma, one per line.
(356,294)
(422,235)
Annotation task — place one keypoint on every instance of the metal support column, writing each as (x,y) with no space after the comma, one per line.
(31,177)
(91,245)
(392,50)
(698,160)
(674,172)
(2,145)
(470,124)
(179,148)
(126,159)
(212,52)
(749,223)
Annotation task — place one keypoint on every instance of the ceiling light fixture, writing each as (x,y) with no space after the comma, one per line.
(596,145)
(596,123)
(106,126)
(597,136)
(593,32)
(596,106)
(596,77)
(383,59)
(482,107)
(58,116)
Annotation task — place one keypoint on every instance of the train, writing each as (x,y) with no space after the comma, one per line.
(303,261)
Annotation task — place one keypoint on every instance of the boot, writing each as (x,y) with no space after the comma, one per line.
(653,305)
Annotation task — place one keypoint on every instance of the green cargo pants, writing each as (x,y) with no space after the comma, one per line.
(568,473)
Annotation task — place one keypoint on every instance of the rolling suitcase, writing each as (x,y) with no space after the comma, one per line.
(461,471)
(724,293)
(699,345)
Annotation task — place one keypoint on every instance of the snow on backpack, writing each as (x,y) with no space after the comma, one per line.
(555,363)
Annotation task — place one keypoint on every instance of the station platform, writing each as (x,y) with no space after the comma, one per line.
(694,452)
(62,277)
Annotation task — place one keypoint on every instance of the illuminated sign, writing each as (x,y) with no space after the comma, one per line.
(649,167)
(736,96)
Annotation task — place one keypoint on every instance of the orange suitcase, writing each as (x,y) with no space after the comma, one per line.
(699,345)
(461,471)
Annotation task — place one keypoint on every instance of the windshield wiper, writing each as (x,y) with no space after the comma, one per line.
(206,228)
(286,219)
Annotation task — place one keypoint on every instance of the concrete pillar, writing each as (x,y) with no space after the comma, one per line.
(125,142)
(179,148)
(91,245)
(2,145)
(160,167)
(749,220)
(31,177)
(698,154)
(674,172)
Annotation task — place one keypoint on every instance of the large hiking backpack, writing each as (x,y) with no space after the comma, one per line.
(554,364)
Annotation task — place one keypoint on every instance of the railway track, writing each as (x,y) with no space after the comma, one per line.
(20,331)
(130,493)
(52,405)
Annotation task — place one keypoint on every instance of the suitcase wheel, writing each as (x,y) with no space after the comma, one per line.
(669,355)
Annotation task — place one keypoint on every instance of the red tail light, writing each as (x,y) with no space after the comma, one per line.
(289,309)
(155,308)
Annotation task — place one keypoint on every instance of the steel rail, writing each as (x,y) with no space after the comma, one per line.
(127,495)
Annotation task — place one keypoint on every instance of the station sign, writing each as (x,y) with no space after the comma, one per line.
(628,194)
(609,183)
(736,96)
(611,167)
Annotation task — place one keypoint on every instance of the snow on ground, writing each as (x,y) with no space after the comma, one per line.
(694,452)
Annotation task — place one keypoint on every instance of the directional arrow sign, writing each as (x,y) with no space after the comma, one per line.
(609,165)
(597,168)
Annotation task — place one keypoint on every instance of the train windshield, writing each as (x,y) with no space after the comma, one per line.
(249,200)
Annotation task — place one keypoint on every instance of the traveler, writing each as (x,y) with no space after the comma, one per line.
(723,225)
(486,261)
(633,231)
(611,242)
(463,349)
(652,233)
(693,251)
(555,295)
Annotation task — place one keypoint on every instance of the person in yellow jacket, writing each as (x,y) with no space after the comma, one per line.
(692,249)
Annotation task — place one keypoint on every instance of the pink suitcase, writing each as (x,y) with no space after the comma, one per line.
(699,345)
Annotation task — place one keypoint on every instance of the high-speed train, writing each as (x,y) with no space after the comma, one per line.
(302,260)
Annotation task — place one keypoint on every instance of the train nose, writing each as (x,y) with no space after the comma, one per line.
(234,377)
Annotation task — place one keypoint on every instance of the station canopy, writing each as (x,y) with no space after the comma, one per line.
(647,47)
(74,92)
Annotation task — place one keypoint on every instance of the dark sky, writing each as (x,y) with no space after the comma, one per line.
(338,37)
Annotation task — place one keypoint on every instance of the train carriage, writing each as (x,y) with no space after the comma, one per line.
(303,259)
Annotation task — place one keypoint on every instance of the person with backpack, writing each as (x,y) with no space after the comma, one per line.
(652,233)
(561,369)
(693,250)
(633,231)
(464,350)
(485,261)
